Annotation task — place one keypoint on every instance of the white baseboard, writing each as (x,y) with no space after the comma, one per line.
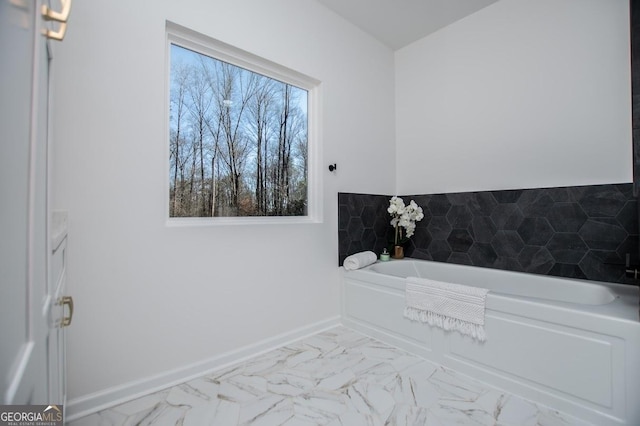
(92,403)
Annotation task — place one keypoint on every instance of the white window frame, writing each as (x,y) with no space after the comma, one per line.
(192,40)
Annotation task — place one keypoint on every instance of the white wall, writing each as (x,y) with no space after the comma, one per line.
(522,94)
(151,298)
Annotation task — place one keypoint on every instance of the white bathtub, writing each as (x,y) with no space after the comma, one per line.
(571,345)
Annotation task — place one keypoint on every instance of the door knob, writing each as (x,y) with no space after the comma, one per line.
(52,15)
(62,17)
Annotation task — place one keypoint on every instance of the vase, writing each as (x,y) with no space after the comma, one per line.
(398,252)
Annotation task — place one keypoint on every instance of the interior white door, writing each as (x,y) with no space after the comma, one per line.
(24,299)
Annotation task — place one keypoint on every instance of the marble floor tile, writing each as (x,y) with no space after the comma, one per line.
(336,378)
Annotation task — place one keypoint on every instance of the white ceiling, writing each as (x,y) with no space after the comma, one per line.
(398,23)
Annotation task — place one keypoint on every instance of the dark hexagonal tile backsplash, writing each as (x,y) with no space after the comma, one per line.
(579,232)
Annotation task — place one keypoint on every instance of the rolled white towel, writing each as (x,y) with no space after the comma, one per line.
(359,260)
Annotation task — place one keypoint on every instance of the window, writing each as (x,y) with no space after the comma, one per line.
(241,133)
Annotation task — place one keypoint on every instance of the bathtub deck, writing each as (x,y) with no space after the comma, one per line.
(338,377)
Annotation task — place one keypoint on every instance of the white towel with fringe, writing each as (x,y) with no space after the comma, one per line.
(446,305)
(359,260)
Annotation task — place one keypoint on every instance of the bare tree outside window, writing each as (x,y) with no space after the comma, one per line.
(238,141)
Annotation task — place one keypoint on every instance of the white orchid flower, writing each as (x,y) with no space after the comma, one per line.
(404,216)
